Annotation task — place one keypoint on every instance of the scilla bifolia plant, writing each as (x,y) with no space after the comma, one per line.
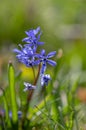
(29,56)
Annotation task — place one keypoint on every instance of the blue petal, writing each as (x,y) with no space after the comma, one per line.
(43,68)
(39,36)
(40,43)
(51,54)
(38,55)
(30,44)
(27,39)
(34,48)
(35,31)
(51,62)
(16,51)
(27,45)
(32,31)
(27,32)
(37,62)
(43,52)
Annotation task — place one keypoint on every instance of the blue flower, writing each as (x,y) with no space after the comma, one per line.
(29,86)
(19,114)
(26,55)
(45,79)
(42,57)
(33,38)
(29,56)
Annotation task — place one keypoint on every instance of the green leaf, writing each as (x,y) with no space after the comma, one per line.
(6,109)
(11,77)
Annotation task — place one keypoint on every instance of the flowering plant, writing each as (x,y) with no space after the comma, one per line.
(29,56)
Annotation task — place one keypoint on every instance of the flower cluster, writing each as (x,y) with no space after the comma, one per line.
(28,55)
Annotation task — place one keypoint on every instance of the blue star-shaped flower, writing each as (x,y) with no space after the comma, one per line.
(29,86)
(42,57)
(33,38)
(45,79)
(26,56)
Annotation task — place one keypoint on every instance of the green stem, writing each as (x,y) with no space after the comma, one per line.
(33,72)
(30,94)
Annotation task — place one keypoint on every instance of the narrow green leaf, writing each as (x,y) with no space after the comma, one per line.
(11,77)
(6,110)
(6,119)
(5,104)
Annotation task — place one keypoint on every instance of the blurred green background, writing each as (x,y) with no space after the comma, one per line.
(63,23)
